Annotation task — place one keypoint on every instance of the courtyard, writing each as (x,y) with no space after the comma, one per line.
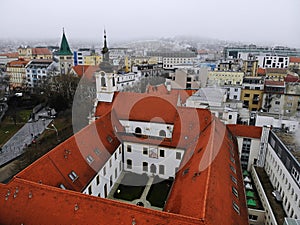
(142,190)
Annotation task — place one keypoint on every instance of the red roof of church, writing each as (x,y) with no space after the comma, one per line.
(203,184)
(86,71)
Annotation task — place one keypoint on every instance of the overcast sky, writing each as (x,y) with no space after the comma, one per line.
(257,21)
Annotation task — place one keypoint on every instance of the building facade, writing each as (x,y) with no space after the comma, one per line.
(16,70)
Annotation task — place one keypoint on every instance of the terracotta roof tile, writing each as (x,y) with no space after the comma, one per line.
(86,71)
(276,70)
(11,55)
(294,59)
(41,204)
(291,78)
(261,71)
(71,156)
(202,186)
(18,63)
(274,83)
(245,131)
(41,51)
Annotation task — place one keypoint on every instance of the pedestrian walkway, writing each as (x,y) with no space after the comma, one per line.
(14,147)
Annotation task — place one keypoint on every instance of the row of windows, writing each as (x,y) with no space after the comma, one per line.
(227,75)
(275,173)
(116,173)
(161,152)
(145,166)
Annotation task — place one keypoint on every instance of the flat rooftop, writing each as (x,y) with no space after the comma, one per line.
(268,188)
(291,141)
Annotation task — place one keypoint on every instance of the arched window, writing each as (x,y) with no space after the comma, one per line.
(153,168)
(103,83)
(138,130)
(162,133)
(113,81)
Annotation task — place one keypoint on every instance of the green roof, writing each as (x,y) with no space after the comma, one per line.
(64,46)
(249,193)
(251,202)
(245,173)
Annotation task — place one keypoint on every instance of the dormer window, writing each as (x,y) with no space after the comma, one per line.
(73,176)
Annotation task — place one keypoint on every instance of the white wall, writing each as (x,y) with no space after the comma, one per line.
(282,181)
(137,156)
(149,129)
(112,168)
(276,123)
(254,150)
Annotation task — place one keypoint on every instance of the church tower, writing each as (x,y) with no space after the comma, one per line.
(65,55)
(105,77)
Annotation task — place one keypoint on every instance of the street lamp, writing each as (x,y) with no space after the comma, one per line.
(54,128)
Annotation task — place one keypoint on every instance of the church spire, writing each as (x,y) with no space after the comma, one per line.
(64,46)
(105,51)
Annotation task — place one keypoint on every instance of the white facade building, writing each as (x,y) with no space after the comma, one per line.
(107,176)
(126,80)
(277,121)
(272,61)
(38,71)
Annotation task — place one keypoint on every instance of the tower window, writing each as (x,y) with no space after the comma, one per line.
(103,82)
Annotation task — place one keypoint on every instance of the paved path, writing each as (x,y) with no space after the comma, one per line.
(14,147)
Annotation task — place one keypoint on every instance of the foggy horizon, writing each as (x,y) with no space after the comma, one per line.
(272,22)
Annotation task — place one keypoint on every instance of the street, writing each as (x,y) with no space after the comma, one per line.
(14,147)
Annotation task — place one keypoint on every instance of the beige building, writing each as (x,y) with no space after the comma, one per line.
(225,78)
(184,79)
(28,53)
(92,60)
(250,67)
(276,74)
(16,71)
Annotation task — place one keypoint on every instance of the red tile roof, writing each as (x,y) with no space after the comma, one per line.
(86,71)
(207,191)
(274,83)
(17,63)
(276,70)
(11,55)
(294,59)
(72,154)
(41,51)
(202,186)
(291,78)
(261,71)
(41,204)
(245,131)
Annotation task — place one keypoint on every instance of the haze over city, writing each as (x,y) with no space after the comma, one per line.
(269,21)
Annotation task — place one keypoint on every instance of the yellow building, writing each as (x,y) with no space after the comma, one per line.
(92,60)
(28,53)
(17,73)
(252,93)
(225,78)
(250,67)
(276,74)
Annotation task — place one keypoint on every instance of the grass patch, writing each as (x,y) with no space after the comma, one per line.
(8,128)
(45,142)
(159,191)
(131,187)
